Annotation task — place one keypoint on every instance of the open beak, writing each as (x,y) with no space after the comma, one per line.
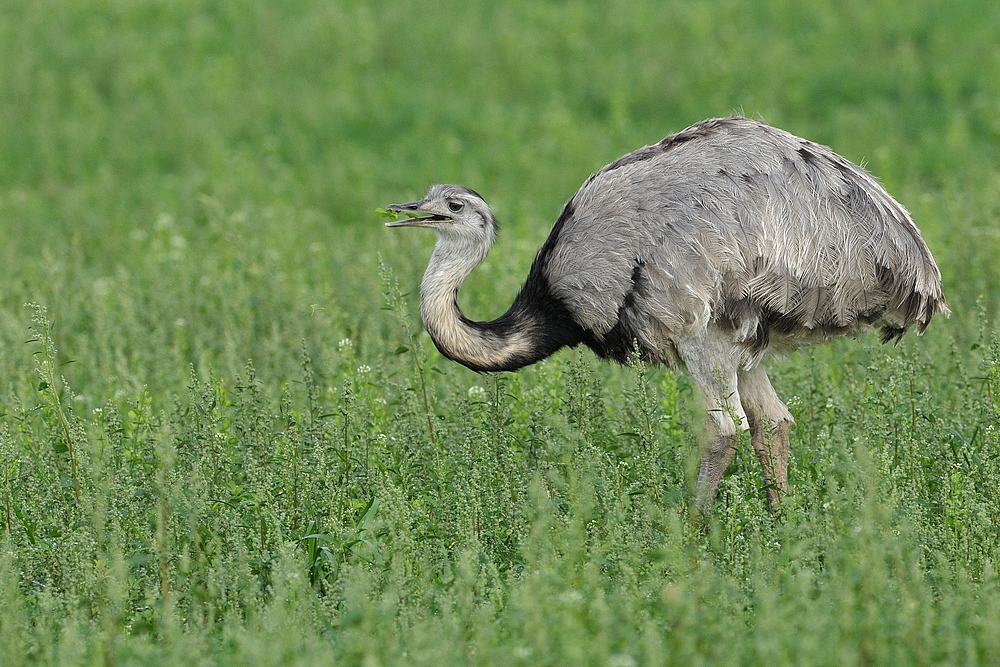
(418,217)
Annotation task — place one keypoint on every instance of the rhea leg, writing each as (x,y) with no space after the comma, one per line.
(769,420)
(713,367)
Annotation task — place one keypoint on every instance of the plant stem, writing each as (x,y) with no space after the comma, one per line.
(394,301)
(43,331)
(64,422)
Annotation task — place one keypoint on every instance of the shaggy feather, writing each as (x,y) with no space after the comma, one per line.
(801,232)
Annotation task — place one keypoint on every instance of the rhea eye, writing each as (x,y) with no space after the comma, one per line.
(455,206)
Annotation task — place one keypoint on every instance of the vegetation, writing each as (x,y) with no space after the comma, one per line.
(225,439)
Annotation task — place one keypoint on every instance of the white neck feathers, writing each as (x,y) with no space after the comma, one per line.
(481,346)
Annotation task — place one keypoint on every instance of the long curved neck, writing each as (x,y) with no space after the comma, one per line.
(520,337)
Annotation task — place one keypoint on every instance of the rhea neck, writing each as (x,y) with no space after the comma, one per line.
(509,342)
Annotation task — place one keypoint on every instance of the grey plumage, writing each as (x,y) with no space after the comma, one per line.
(732,220)
(706,250)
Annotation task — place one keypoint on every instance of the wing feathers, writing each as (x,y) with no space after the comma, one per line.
(734,211)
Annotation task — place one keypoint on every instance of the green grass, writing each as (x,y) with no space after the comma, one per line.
(225,439)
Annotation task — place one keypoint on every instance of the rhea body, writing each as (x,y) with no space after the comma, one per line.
(704,251)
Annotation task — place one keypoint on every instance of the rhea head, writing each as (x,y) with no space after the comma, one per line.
(457,214)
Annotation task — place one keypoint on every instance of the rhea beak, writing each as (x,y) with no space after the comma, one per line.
(418,216)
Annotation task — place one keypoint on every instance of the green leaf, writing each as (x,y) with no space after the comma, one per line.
(369,514)
(317,536)
(396,215)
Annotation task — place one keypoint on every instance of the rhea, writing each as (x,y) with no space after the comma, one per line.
(720,243)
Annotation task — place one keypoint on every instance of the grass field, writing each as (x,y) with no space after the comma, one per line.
(225,438)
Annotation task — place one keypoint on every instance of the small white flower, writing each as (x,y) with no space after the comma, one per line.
(621,660)
(571,597)
(344,343)
(102,286)
(475,391)
(364,368)
(165,221)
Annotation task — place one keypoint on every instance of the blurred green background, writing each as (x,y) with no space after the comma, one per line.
(115,115)
(186,186)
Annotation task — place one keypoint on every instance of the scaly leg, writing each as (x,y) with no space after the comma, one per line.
(716,455)
(769,420)
(712,362)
